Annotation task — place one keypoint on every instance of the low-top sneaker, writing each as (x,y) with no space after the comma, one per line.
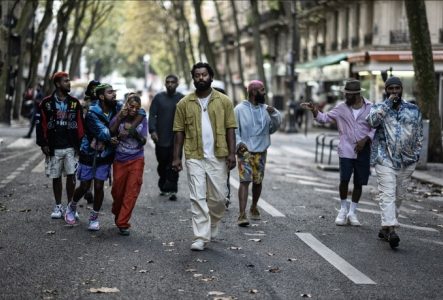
(57,212)
(172,197)
(215,228)
(124,231)
(94,225)
(393,239)
(198,245)
(242,220)
(341,217)
(70,214)
(254,213)
(352,219)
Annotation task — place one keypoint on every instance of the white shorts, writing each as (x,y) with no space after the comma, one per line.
(63,162)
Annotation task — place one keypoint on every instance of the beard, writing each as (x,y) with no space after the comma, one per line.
(260,98)
(202,85)
(111,103)
(398,95)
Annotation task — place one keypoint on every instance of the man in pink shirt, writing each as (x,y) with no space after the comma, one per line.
(354,146)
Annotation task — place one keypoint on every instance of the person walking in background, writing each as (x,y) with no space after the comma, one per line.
(128,163)
(395,152)
(256,121)
(354,146)
(59,132)
(161,120)
(37,98)
(204,124)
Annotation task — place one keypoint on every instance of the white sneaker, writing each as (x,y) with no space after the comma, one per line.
(94,225)
(352,219)
(215,229)
(341,217)
(198,245)
(57,212)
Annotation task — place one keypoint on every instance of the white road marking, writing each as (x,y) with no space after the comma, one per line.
(418,227)
(16,154)
(334,259)
(415,206)
(261,202)
(305,182)
(40,168)
(431,241)
(14,174)
(21,143)
(302,177)
(325,191)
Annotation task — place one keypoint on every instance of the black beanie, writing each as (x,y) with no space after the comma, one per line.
(393,80)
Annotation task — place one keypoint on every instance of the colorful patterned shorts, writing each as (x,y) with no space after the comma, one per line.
(251,166)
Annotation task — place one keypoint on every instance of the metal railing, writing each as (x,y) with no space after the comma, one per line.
(325,140)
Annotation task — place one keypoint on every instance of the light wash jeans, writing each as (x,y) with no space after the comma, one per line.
(392,185)
(207,185)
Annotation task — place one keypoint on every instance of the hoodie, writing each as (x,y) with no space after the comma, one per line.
(255,125)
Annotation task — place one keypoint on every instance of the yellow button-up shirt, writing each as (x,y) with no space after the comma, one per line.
(188,120)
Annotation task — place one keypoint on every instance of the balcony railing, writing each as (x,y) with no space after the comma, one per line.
(367,39)
(399,37)
(355,41)
(344,44)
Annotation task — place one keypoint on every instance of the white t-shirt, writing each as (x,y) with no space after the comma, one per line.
(356,112)
(207,135)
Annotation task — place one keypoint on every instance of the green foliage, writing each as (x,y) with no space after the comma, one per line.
(133,29)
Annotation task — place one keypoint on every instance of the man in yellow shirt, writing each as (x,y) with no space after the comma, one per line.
(205,125)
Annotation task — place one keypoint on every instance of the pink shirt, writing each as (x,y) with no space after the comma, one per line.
(351,130)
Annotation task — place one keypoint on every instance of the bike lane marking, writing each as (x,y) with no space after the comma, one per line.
(17,172)
(335,260)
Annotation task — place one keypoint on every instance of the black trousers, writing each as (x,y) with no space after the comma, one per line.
(168,178)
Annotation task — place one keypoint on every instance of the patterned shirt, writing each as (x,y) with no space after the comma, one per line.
(350,129)
(399,134)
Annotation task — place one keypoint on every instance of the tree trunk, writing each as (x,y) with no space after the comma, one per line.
(5,63)
(255,16)
(36,52)
(204,39)
(225,47)
(79,16)
(21,30)
(238,48)
(425,74)
(185,23)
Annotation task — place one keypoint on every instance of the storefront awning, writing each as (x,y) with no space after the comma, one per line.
(323,61)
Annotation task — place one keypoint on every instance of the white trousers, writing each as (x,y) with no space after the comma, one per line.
(207,185)
(392,185)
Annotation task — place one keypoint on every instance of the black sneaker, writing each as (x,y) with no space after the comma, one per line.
(124,231)
(393,239)
(383,234)
(173,197)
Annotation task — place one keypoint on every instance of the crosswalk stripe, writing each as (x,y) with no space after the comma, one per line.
(261,202)
(306,182)
(334,259)
(21,143)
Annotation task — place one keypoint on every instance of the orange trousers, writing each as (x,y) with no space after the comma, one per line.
(128,179)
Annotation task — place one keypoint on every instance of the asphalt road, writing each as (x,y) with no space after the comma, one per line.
(295,251)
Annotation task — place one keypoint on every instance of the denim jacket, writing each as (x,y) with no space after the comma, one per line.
(399,134)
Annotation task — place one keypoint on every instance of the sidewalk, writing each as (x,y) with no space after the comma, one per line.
(433,174)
